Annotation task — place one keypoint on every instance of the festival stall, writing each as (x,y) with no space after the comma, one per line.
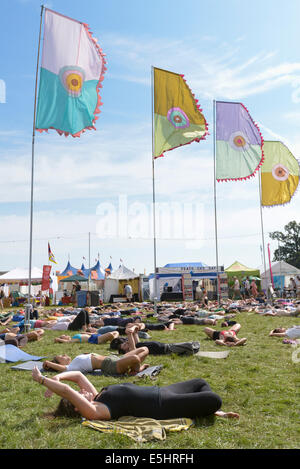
(179,281)
(15,284)
(115,282)
(93,277)
(241,272)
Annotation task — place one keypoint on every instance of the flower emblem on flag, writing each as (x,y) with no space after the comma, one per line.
(72,79)
(238,141)
(280,172)
(178,118)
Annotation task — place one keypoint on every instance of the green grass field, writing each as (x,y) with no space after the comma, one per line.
(260,381)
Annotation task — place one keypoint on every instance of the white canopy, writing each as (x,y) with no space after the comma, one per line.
(22,275)
(282,269)
(122,273)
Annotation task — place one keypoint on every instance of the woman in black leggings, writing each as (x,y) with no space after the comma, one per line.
(82,321)
(193,398)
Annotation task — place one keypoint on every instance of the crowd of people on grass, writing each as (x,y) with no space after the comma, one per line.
(127,329)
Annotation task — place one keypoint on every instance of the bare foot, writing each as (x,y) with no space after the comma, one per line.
(227,415)
(143,367)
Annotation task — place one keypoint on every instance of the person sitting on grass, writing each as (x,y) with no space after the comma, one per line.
(88,337)
(187,399)
(112,365)
(132,342)
(228,338)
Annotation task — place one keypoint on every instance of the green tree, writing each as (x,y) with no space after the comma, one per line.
(289,248)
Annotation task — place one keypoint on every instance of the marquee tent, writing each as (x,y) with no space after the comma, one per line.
(96,272)
(20,275)
(123,273)
(75,278)
(240,271)
(282,272)
(115,282)
(69,270)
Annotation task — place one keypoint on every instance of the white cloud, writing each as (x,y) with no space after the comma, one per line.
(217,74)
(117,160)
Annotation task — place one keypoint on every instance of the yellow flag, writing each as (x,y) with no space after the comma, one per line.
(279,174)
(177,116)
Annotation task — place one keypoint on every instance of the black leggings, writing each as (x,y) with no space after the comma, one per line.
(193,398)
(157,326)
(82,319)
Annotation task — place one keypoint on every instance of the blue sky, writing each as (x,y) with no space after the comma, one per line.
(232,50)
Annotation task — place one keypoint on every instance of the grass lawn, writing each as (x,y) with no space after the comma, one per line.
(260,381)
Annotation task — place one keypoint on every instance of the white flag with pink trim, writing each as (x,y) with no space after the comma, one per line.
(71,75)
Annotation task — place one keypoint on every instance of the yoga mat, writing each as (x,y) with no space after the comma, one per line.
(10,353)
(212,354)
(152,371)
(28,366)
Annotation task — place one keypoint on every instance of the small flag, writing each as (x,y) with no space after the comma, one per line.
(108,270)
(238,143)
(71,75)
(50,255)
(279,174)
(177,116)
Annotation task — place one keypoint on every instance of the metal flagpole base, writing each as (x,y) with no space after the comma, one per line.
(28,310)
(155,305)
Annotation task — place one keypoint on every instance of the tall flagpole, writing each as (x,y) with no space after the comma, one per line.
(281,288)
(89,262)
(215,202)
(262,227)
(28,308)
(153,194)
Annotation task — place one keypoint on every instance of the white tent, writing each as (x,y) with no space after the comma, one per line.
(122,273)
(112,282)
(282,272)
(111,287)
(19,275)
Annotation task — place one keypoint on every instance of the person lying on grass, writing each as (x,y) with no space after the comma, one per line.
(228,338)
(276,311)
(291,333)
(20,340)
(132,342)
(6,319)
(187,399)
(88,337)
(123,322)
(190,318)
(112,365)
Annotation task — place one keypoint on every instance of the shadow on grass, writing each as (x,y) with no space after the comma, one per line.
(208,421)
(60,422)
